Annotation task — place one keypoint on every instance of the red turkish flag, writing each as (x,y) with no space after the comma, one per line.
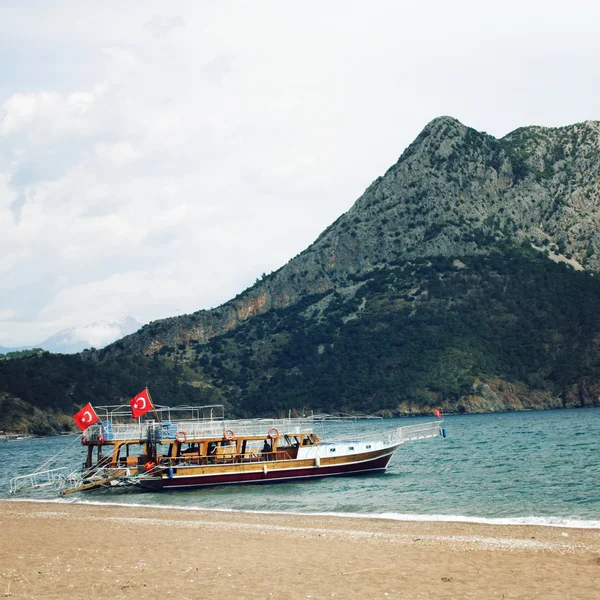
(85,417)
(438,413)
(141,404)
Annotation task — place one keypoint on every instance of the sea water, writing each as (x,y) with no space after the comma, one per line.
(540,467)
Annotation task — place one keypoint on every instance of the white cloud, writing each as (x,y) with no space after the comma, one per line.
(183,153)
(119,154)
(6,314)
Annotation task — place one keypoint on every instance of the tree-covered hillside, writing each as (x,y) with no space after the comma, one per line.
(420,334)
(40,393)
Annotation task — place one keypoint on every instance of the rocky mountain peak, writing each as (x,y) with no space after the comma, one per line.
(441,131)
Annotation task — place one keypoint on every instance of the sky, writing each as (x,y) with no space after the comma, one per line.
(157,158)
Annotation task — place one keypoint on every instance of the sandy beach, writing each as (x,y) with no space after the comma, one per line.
(51,550)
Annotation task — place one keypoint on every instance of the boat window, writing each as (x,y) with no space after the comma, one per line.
(164,449)
(191,449)
(350,447)
(253,447)
(368,446)
(126,450)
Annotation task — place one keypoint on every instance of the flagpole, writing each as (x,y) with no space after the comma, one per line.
(153,405)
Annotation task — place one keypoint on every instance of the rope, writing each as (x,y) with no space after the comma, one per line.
(58,454)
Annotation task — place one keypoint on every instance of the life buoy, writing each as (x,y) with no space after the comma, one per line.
(181,436)
(229,434)
(149,466)
(273,433)
(100,438)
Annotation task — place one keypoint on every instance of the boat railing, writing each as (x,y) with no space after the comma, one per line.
(411,433)
(405,433)
(196,429)
(117,431)
(344,417)
(249,427)
(38,480)
(119,412)
(224,458)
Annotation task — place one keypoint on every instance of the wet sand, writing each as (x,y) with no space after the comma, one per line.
(63,551)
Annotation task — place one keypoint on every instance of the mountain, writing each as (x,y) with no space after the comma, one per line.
(454,192)
(465,277)
(76,339)
(6,349)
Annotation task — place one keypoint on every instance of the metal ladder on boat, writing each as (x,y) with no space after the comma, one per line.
(58,476)
(39,479)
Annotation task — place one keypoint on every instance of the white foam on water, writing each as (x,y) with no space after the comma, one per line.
(529,520)
(545,521)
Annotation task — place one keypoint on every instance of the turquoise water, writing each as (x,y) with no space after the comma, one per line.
(529,467)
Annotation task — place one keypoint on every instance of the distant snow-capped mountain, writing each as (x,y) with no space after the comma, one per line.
(75,339)
(96,335)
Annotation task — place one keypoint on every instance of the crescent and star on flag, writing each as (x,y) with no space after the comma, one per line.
(85,417)
(141,404)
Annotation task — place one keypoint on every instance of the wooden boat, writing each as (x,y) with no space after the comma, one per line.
(189,447)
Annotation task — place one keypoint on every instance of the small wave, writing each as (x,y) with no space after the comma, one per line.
(545,521)
(565,522)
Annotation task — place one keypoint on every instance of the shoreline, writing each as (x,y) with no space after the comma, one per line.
(529,521)
(71,550)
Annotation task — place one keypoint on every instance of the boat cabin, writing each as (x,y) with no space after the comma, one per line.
(201,440)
